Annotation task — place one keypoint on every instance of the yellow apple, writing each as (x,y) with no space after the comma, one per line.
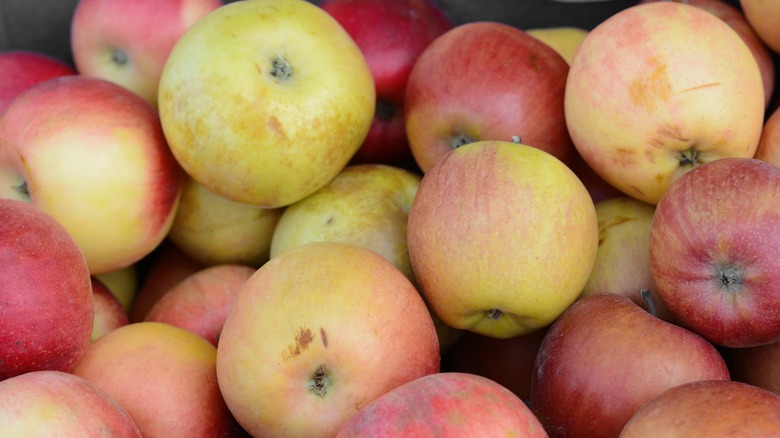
(123,283)
(265,101)
(564,39)
(762,16)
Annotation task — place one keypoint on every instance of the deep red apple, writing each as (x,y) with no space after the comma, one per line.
(605,357)
(391,34)
(21,69)
(713,251)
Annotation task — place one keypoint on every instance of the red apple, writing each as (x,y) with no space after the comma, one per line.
(713,408)
(109,313)
(486,81)
(757,365)
(605,357)
(56,403)
(201,302)
(21,69)
(45,293)
(713,244)
(445,405)
(391,34)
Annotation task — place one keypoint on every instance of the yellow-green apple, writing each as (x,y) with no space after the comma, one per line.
(605,357)
(316,334)
(21,69)
(167,266)
(712,243)
(109,313)
(164,376)
(769,143)
(93,155)
(216,230)
(659,88)
(564,39)
(46,293)
(762,16)
(56,403)
(391,34)
(707,408)
(128,43)
(486,81)
(756,365)
(265,101)
(735,18)
(622,263)
(446,404)
(502,238)
(509,362)
(123,283)
(201,302)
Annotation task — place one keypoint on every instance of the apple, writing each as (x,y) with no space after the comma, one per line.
(128,43)
(201,302)
(391,34)
(316,334)
(564,39)
(486,81)
(93,155)
(707,408)
(605,357)
(55,403)
(762,16)
(215,230)
(445,404)
(123,283)
(109,313)
(769,142)
(622,263)
(713,240)
(164,376)
(757,366)
(46,293)
(21,69)
(734,17)
(502,238)
(598,188)
(658,89)
(265,101)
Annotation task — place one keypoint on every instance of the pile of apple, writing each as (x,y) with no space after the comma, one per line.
(360,218)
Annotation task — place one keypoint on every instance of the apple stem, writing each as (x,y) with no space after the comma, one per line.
(516,139)
(494,313)
(647,297)
(320,382)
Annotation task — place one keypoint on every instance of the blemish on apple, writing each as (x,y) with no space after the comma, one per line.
(303,338)
(646,91)
(323,337)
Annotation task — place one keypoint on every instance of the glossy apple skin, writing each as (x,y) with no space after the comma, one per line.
(144,31)
(316,334)
(46,294)
(109,313)
(56,403)
(720,217)
(265,101)
(708,408)
(445,404)
(201,302)
(93,155)
(391,34)
(486,81)
(605,357)
(502,238)
(657,89)
(21,69)
(164,376)
(757,365)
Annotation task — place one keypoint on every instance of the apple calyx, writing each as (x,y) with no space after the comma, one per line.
(119,57)
(494,314)
(647,298)
(729,278)
(319,382)
(281,70)
(460,139)
(689,158)
(23,190)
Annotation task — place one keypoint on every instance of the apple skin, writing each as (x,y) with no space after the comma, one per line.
(486,81)
(757,365)
(712,251)
(164,376)
(763,16)
(707,408)
(445,404)
(215,230)
(316,334)
(265,101)
(657,89)
(391,34)
(564,39)
(201,302)
(109,313)
(605,357)
(56,403)
(128,43)
(769,143)
(502,238)
(123,283)
(93,155)
(21,69)
(46,294)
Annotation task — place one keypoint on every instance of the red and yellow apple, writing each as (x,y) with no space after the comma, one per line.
(21,69)
(762,16)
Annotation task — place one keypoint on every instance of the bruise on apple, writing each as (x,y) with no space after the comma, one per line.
(303,338)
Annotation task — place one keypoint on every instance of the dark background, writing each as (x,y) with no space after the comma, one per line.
(43,25)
